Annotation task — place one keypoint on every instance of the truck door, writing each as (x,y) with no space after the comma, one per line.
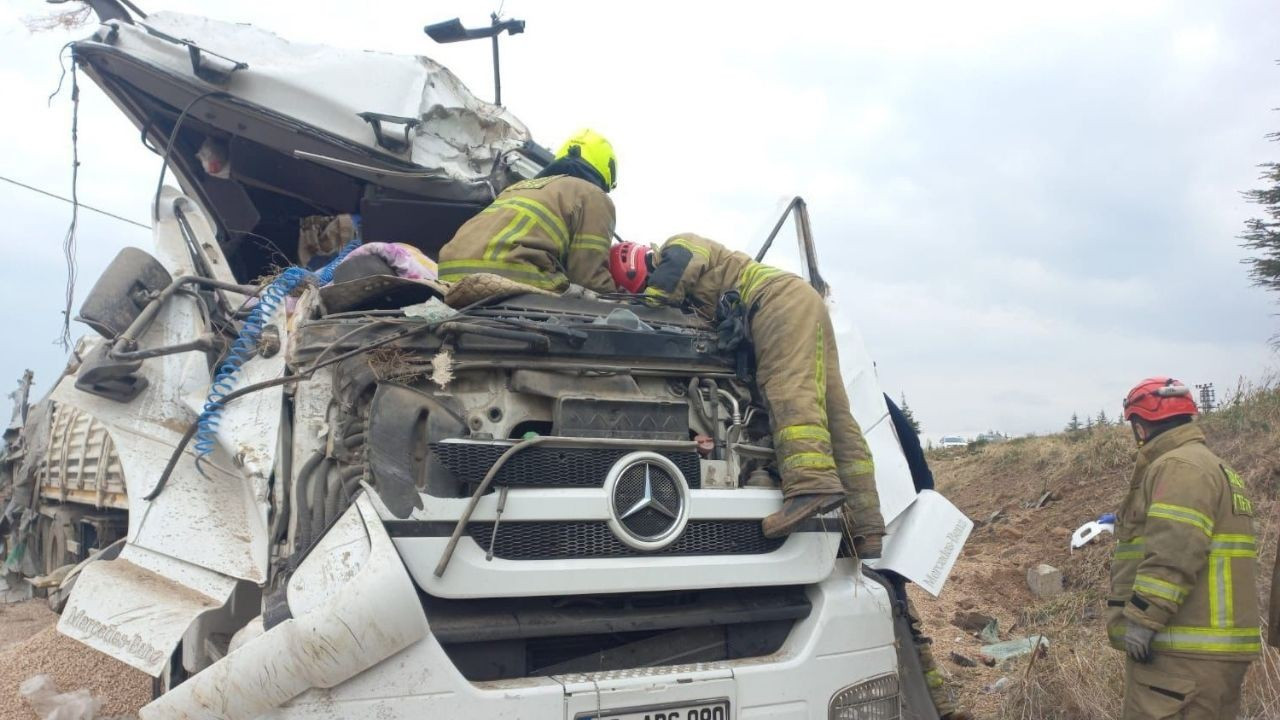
(798,210)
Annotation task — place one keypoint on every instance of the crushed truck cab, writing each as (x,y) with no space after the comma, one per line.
(536,506)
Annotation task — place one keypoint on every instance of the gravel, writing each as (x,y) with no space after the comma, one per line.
(31,645)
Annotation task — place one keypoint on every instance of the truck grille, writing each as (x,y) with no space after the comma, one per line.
(547,466)
(566,540)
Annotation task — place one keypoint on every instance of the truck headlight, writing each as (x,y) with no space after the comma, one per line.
(875,699)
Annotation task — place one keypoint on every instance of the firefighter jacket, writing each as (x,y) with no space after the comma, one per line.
(1185,563)
(819,446)
(697,271)
(546,232)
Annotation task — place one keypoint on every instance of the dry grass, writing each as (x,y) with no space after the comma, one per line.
(1088,473)
(76,17)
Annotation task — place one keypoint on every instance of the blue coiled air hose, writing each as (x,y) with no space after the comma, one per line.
(246,342)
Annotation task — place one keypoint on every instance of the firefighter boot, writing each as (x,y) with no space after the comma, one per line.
(796,510)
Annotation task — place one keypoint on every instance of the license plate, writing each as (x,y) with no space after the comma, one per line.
(705,710)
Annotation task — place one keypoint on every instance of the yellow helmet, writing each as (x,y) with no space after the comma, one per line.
(596,150)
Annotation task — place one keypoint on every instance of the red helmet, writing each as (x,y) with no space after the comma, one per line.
(1159,398)
(627,264)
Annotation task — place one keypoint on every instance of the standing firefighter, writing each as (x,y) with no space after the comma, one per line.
(549,232)
(1183,602)
(822,456)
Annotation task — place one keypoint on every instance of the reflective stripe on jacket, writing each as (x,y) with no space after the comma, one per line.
(545,232)
(1185,562)
(690,268)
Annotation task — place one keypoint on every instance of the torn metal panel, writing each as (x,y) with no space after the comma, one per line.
(137,607)
(343,631)
(227,509)
(417,123)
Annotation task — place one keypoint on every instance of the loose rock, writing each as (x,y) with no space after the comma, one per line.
(971,621)
(1045,581)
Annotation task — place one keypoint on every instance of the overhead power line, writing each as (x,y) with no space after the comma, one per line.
(69,201)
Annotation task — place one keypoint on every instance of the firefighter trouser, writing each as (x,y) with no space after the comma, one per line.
(932,676)
(819,445)
(1184,688)
(942,700)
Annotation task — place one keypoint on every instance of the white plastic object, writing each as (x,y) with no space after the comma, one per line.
(1088,531)
(49,704)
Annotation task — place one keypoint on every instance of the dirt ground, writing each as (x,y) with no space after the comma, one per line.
(31,645)
(1085,474)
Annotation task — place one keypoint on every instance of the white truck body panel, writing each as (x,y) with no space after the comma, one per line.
(848,636)
(342,630)
(137,607)
(327,88)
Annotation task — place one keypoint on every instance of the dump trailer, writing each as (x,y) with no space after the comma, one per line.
(304,496)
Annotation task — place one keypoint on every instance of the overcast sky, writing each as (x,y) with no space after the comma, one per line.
(1025,207)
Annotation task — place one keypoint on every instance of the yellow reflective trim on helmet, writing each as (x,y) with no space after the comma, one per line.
(811,460)
(1182,514)
(1150,585)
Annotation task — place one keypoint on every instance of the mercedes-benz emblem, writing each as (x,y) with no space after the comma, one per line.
(648,500)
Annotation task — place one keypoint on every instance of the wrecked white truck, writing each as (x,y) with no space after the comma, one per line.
(393,508)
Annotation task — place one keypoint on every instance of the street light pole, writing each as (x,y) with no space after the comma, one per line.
(497,74)
(453,31)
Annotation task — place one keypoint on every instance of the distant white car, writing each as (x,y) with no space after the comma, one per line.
(952,441)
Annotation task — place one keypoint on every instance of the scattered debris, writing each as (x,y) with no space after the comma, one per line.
(990,633)
(1045,499)
(987,660)
(995,516)
(971,621)
(13,589)
(1015,648)
(432,310)
(1089,531)
(963,660)
(41,692)
(442,368)
(1045,581)
(997,686)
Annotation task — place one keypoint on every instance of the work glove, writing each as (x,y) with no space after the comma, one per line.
(1137,641)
